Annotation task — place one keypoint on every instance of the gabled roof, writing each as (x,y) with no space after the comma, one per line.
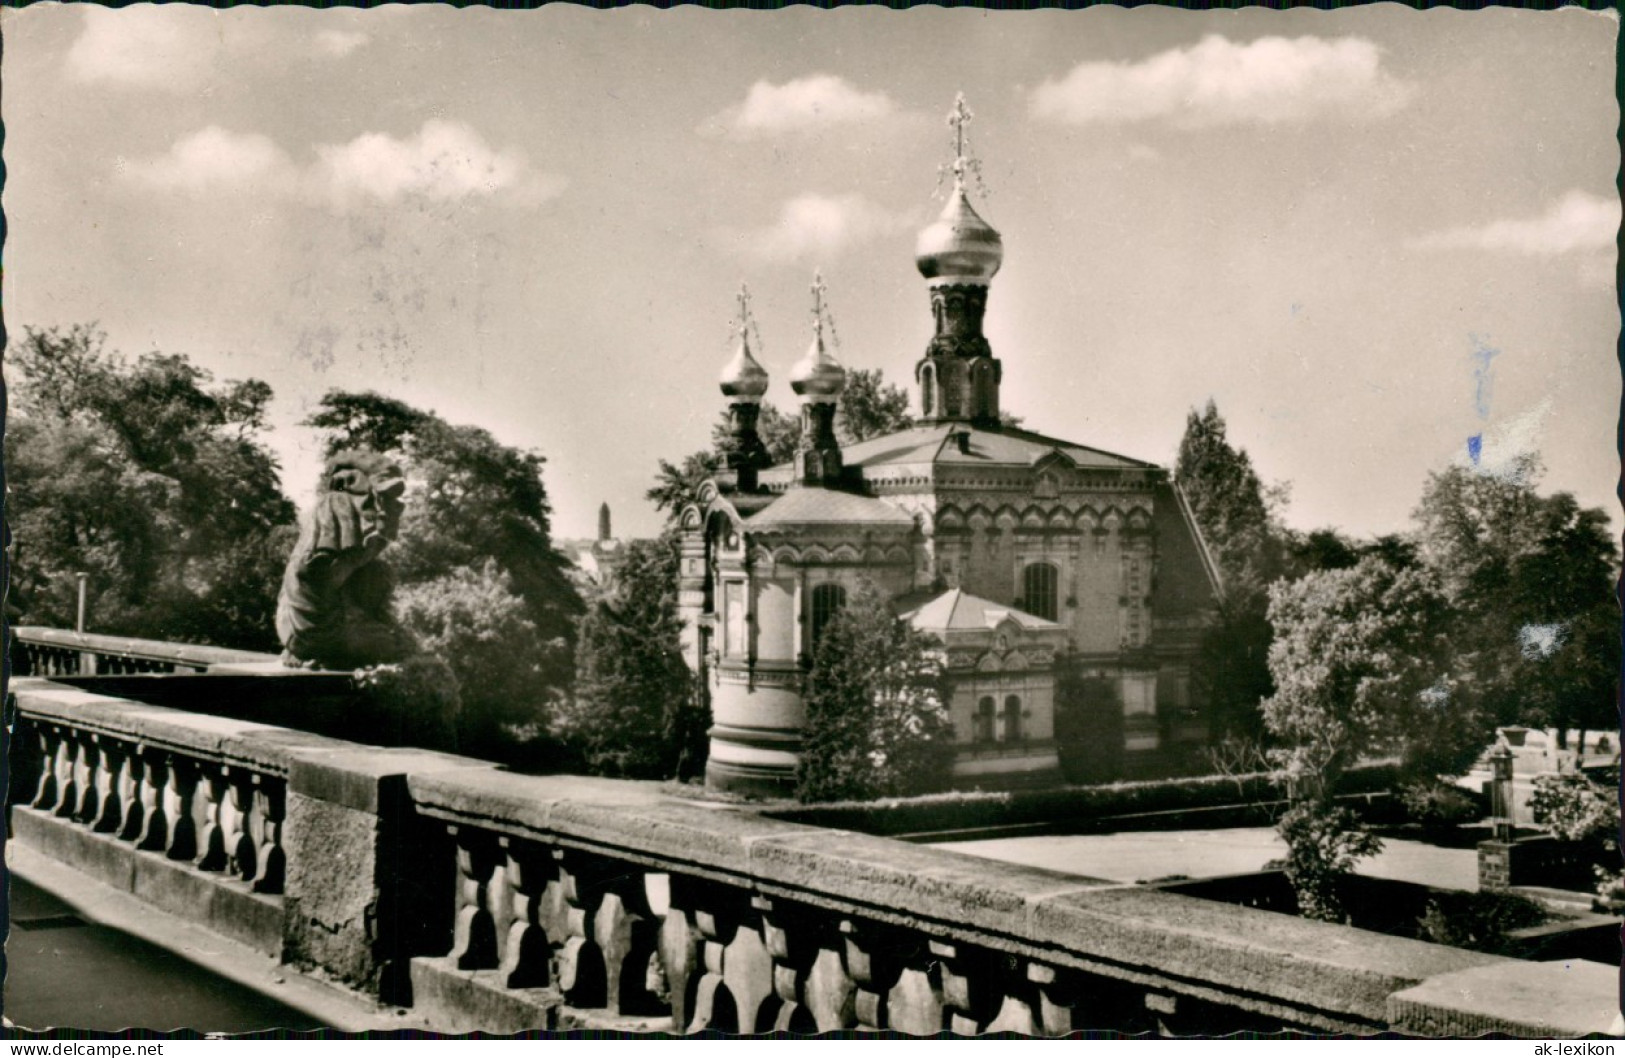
(958,610)
(1009,446)
(818,506)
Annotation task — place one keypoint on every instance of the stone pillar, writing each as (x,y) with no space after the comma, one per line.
(359,903)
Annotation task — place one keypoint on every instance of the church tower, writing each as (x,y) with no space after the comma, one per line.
(958,256)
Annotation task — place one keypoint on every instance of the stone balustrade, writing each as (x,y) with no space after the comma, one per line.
(504,902)
(57,652)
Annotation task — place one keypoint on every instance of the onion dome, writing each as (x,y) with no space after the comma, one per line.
(818,376)
(743,379)
(960,247)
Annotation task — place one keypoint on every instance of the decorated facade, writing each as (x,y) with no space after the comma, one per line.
(1008,546)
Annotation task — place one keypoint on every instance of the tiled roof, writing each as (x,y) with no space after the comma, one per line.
(818,506)
(1006,447)
(957,609)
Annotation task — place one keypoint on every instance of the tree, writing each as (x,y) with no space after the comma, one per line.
(1359,662)
(474,622)
(1531,579)
(474,545)
(877,725)
(635,712)
(870,407)
(1232,509)
(152,480)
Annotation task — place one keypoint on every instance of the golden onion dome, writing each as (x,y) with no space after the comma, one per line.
(818,375)
(744,379)
(960,246)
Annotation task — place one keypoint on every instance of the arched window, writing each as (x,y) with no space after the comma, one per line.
(1012,719)
(928,386)
(826,600)
(985,710)
(982,383)
(1039,583)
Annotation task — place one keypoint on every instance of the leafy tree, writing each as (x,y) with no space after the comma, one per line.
(1232,509)
(151,479)
(1359,662)
(475,545)
(1531,578)
(877,725)
(635,712)
(870,407)
(474,622)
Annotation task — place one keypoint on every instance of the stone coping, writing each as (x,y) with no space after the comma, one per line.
(1309,972)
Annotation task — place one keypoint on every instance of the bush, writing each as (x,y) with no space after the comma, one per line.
(1478,921)
(1324,842)
(1438,804)
(1574,808)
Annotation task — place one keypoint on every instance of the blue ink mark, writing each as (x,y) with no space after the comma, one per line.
(1483,378)
(1475,447)
(1297,307)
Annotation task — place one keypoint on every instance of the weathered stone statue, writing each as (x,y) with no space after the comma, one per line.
(333,611)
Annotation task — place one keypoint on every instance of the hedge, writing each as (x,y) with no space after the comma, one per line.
(1209,800)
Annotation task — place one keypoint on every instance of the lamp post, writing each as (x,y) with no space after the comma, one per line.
(1501,792)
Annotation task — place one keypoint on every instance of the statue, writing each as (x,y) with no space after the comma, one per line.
(333,610)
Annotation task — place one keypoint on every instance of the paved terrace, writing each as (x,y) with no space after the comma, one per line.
(478,899)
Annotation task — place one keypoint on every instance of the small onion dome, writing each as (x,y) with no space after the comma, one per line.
(960,245)
(818,375)
(743,379)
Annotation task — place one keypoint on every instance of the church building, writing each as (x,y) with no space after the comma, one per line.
(1006,545)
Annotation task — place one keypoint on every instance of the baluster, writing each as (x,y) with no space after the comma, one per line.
(154,816)
(213,786)
(915,1003)
(131,786)
(970,985)
(236,822)
(86,764)
(526,951)
(627,933)
(1059,993)
(582,976)
(178,793)
(791,937)
(66,764)
(268,806)
(680,944)
(108,810)
(46,794)
(872,971)
(474,941)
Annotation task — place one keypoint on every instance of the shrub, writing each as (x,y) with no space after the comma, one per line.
(1574,808)
(1323,844)
(1438,804)
(1478,921)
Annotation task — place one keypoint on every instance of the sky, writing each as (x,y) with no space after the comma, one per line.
(1370,235)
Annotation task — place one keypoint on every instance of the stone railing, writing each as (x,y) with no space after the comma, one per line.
(494,901)
(56,652)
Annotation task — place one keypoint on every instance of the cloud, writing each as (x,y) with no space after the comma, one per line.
(143,46)
(214,158)
(1577,221)
(444,161)
(807,103)
(822,226)
(1217,81)
(337,43)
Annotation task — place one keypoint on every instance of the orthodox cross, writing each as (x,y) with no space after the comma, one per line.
(820,310)
(958,118)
